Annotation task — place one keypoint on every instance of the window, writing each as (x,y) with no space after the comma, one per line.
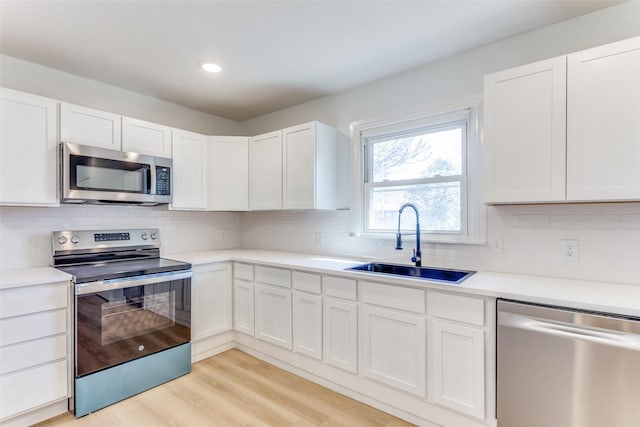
(430,161)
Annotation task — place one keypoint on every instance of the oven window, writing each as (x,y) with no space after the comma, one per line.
(92,173)
(116,326)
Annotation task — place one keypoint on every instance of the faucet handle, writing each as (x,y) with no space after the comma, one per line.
(413,258)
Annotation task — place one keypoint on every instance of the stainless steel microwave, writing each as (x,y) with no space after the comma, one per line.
(98,175)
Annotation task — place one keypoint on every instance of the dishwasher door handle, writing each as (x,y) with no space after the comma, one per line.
(567,330)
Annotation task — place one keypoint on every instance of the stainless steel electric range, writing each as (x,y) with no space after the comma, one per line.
(132,313)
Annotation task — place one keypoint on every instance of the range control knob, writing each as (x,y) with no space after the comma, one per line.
(62,240)
(144,236)
(75,239)
(154,236)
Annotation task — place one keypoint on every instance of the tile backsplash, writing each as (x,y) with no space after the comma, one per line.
(25,233)
(521,239)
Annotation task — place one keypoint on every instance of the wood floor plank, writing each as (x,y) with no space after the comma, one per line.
(235,389)
(309,409)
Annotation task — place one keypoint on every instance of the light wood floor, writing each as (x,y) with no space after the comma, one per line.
(235,389)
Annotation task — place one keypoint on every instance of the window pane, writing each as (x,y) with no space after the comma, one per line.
(438,203)
(419,156)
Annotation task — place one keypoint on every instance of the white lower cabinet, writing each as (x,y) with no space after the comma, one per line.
(34,347)
(211,300)
(273,315)
(458,361)
(243,306)
(458,352)
(393,348)
(307,324)
(417,349)
(340,334)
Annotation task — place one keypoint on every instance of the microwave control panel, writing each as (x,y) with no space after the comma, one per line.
(163,181)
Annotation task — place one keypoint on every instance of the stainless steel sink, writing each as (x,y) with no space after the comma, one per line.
(427,273)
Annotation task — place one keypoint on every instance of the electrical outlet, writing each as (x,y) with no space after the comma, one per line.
(497,245)
(570,249)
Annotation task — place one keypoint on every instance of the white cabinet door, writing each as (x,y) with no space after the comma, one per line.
(243,306)
(211,304)
(393,349)
(603,133)
(273,315)
(315,167)
(307,324)
(229,173)
(32,388)
(28,147)
(265,171)
(525,133)
(86,126)
(299,167)
(340,334)
(146,138)
(458,367)
(189,170)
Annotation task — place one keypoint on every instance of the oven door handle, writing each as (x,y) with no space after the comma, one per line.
(130,282)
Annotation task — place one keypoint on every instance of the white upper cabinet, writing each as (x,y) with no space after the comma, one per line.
(603,128)
(265,171)
(565,129)
(190,152)
(146,138)
(229,173)
(524,133)
(28,147)
(86,126)
(314,173)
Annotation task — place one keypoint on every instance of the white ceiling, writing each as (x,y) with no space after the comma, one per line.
(274,54)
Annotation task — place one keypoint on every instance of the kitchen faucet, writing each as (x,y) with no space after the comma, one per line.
(417,254)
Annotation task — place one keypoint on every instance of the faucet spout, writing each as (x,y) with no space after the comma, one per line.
(417,253)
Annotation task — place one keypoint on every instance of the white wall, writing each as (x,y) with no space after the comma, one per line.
(608,234)
(37,79)
(25,233)
(457,76)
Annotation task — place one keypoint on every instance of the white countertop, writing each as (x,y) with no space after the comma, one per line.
(31,276)
(598,296)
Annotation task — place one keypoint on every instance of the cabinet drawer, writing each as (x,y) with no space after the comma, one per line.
(307,282)
(32,326)
(458,308)
(31,353)
(340,287)
(273,276)
(35,387)
(394,297)
(33,299)
(243,271)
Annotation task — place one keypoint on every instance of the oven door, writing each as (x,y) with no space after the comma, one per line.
(123,319)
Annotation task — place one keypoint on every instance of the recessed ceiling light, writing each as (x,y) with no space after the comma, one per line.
(210,67)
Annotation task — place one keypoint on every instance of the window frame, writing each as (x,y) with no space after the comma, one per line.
(473,211)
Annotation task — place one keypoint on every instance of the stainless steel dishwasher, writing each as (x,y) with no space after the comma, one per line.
(559,367)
